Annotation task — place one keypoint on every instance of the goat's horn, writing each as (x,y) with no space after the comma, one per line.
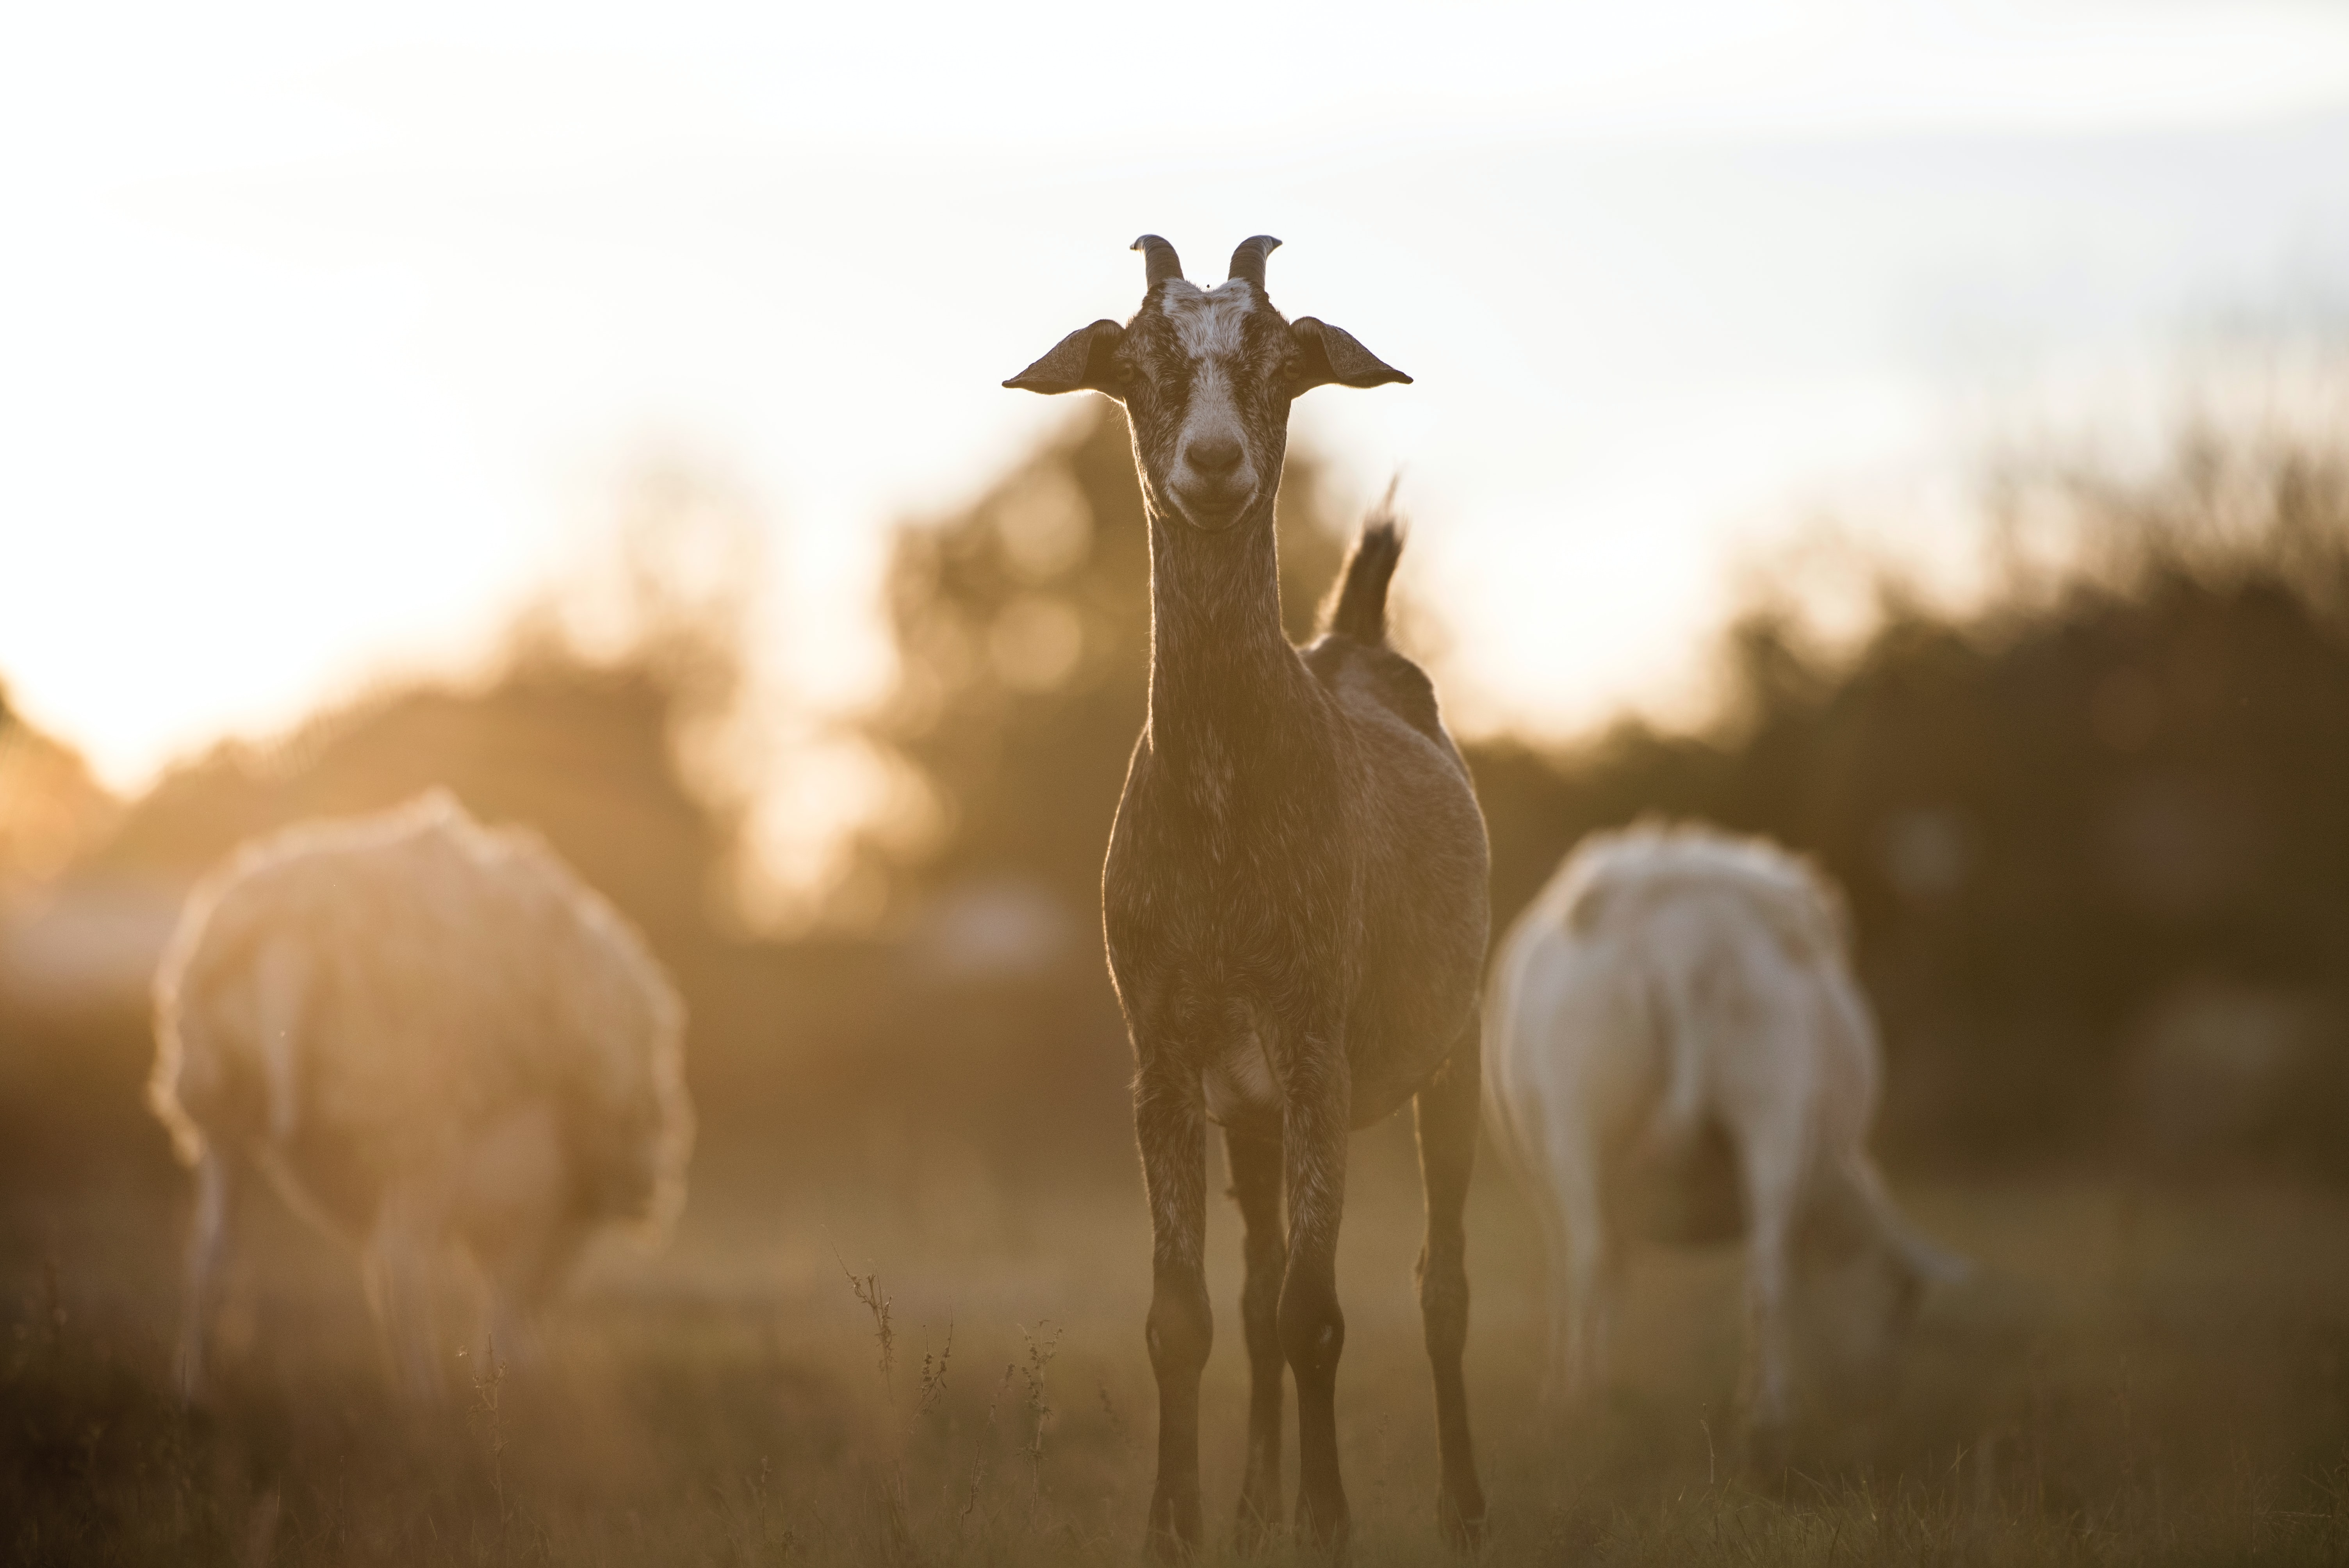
(1164,263)
(1247,261)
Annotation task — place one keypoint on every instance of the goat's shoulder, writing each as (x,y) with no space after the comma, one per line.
(1339,662)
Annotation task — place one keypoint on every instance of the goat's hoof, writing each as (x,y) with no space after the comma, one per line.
(1325,1534)
(1769,1452)
(1253,1531)
(1173,1533)
(1462,1524)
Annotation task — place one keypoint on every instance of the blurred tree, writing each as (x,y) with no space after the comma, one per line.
(51,809)
(2126,770)
(579,751)
(1023,629)
(608,725)
(605,724)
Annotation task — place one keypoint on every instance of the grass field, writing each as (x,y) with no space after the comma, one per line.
(2136,1374)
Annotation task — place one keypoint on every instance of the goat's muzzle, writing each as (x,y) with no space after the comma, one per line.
(1213,506)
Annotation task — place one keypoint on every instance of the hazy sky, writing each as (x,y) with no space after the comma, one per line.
(323,337)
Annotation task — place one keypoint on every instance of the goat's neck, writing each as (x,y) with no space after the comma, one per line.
(1221,669)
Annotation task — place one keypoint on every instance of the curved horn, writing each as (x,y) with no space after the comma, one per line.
(1247,261)
(1164,263)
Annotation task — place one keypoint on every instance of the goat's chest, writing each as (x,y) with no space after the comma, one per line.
(1228,886)
(1234,892)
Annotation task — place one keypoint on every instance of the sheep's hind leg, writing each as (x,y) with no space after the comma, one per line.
(1170,1124)
(208,1250)
(515,1213)
(401,1252)
(521,1278)
(1771,1178)
(1586,1263)
(1255,1186)
(1445,1111)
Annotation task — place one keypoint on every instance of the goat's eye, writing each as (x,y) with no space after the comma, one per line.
(1155,373)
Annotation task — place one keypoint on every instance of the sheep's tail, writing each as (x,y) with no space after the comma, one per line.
(1679,1118)
(1359,608)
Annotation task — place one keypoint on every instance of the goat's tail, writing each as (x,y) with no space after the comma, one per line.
(1359,607)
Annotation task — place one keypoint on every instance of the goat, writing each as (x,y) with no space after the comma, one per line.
(1295,899)
(420,1030)
(1678,1048)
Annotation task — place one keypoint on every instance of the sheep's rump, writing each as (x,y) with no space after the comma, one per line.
(376,988)
(1612,877)
(1653,930)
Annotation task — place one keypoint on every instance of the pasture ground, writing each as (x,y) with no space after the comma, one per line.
(2139,1373)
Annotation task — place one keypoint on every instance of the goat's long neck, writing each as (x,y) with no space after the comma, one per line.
(1220,666)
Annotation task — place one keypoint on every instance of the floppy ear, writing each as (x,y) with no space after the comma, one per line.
(1082,361)
(1330,354)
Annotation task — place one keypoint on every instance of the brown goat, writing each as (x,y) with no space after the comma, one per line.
(1295,899)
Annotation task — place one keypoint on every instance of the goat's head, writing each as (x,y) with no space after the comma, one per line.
(1206,376)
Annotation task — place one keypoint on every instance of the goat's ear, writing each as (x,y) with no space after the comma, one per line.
(1329,354)
(1085,360)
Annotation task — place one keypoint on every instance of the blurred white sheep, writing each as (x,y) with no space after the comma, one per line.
(424,1032)
(1675,1048)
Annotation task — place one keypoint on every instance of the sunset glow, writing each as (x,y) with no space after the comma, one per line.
(325,340)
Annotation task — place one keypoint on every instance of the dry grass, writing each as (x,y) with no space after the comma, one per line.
(2136,1376)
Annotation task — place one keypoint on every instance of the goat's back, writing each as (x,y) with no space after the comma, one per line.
(1426,867)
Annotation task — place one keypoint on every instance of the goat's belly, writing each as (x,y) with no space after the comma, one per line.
(1239,1084)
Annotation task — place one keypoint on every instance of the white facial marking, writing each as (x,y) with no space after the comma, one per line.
(1208,321)
(1207,325)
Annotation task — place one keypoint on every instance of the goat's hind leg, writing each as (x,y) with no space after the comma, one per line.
(1256,1187)
(1445,1113)
(1170,1124)
(1318,1122)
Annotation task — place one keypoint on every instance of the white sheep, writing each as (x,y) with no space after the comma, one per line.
(423,1031)
(1675,1047)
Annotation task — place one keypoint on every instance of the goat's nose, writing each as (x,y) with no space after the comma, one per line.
(1214,454)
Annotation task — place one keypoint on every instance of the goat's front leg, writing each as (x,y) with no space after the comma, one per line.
(1170,1124)
(1318,1120)
(1445,1113)
(1256,1187)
